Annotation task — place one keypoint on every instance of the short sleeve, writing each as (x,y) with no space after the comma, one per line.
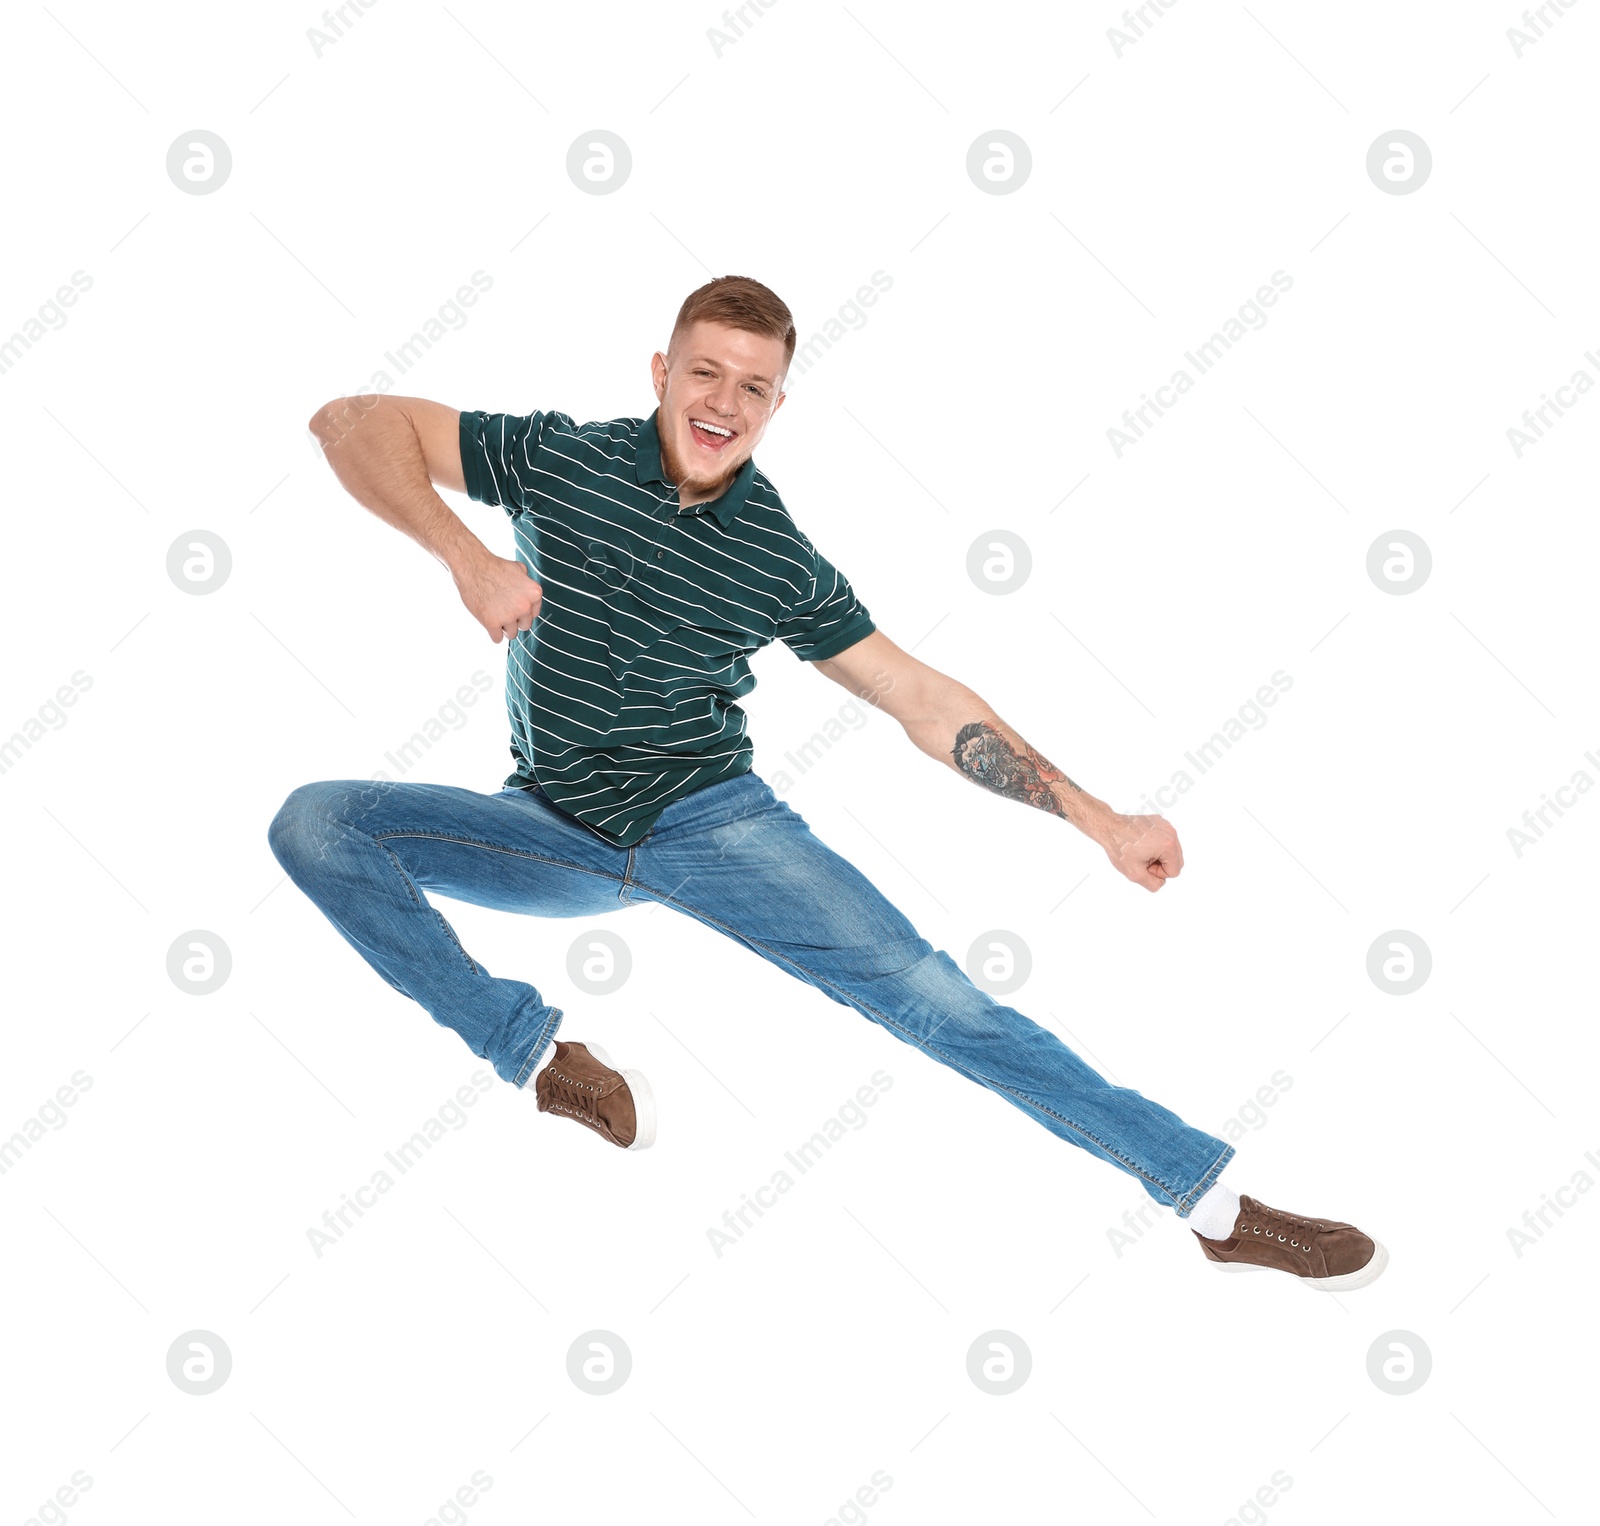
(500,456)
(828,619)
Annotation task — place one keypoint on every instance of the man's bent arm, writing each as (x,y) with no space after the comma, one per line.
(388,452)
(952,723)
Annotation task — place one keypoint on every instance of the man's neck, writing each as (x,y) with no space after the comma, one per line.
(690,495)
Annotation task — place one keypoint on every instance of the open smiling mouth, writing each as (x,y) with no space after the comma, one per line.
(709,436)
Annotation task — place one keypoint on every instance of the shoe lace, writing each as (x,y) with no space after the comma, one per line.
(1274,1221)
(579,1098)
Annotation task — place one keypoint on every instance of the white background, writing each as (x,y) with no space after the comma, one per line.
(1168,182)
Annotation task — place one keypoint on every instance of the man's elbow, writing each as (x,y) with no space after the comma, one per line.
(321,422)
(335,419)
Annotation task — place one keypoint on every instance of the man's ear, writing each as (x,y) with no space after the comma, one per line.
(658,374)
(777,405)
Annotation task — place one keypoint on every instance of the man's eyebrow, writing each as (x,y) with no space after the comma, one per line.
(710,361)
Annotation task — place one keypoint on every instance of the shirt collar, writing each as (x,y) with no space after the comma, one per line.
(726,508)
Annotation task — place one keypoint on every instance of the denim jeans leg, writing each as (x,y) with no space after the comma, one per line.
(366,852)
(747,864)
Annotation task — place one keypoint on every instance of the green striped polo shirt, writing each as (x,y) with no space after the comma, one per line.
(623,696)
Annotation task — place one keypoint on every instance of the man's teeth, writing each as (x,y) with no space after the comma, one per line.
(710,428)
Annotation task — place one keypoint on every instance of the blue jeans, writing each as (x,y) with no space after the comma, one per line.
(731,855)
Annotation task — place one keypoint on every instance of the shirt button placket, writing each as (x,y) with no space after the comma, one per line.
(672,519)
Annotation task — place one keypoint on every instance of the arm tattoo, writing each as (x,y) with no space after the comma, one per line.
(985,757)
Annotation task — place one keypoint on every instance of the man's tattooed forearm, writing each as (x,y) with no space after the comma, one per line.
(985,757)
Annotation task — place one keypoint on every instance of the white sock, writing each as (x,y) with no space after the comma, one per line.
(1213,1217)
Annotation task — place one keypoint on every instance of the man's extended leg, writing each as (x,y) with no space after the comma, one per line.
(365,852)
(738,858)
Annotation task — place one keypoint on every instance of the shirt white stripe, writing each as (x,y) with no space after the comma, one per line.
(669,647)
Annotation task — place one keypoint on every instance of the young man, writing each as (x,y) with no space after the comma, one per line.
(652,559)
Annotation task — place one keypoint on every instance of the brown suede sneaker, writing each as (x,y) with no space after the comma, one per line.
(581,1083)
(1323,1253)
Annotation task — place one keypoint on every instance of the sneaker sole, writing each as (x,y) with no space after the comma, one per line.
(644,1101)
(1340,1284)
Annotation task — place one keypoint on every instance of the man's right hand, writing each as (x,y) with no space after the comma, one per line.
(390,453)
(501,594)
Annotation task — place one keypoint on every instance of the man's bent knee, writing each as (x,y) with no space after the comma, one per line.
(309,822)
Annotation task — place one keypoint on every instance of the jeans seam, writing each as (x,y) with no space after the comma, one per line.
(889,1022)
(1186,1205)
(422,902)
(478,842)
(1099,1143)
(552,1022)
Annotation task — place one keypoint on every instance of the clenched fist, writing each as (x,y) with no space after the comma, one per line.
(501,594)
(1144,848)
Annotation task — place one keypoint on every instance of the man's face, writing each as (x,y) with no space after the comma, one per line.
(724,378)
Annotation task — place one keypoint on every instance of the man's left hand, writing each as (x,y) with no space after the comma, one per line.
(1143,848)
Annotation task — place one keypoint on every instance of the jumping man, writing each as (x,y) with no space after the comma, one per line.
(653,558)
